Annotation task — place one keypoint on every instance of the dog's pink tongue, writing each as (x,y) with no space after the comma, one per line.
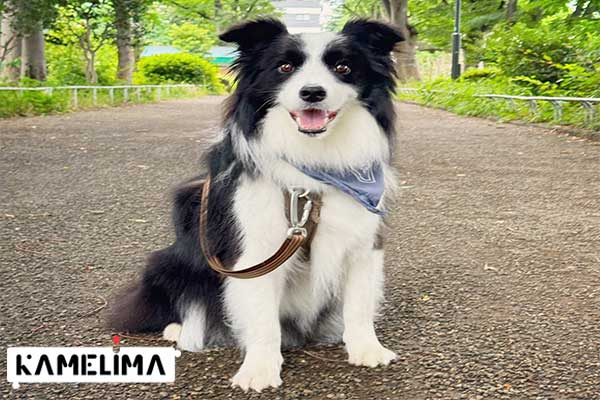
(312,119)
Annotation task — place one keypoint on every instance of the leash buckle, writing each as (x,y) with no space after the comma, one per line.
(297,227)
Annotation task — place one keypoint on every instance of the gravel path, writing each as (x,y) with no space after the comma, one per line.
(493,255)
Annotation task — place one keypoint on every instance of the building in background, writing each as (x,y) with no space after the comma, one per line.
(158,50)
(222,55)
(301,16)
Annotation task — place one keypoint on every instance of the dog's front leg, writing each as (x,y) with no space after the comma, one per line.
(254,312)
(362,294)
(253,304)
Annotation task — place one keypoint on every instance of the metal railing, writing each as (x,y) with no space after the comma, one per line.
(127,89)
(587,103)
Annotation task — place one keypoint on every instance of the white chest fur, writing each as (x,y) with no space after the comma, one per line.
(345,229)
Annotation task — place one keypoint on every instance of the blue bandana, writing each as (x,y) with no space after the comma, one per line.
(364,184)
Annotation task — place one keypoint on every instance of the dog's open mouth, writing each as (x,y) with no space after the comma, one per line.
(313,121)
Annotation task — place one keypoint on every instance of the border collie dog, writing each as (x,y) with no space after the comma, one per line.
(312,111)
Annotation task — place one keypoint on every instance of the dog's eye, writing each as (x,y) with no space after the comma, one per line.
(286,68)
(342,69)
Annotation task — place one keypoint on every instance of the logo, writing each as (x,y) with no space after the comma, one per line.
(90,364)
(364,174)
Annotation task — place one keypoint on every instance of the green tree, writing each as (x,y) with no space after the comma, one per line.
(548,41)
(193,25)
(129,30)
(195,39)
(219,13)
(22,42)
(88,25)
(11,42)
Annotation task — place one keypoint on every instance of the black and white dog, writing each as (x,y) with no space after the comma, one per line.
(311,111)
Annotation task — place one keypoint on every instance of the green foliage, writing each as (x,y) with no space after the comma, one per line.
(349,9)
(564,31)
(14,103)
(192,38)
(88,25)
(459,96)
(10,64)
(529,51)
(219,13)
(132,13)
(178,68)
(31,103)
(156,23)
(77,19)
(479,73)
(536,87)
(30,13)
(193,25)
(577,79)
(434,20)
(65,66)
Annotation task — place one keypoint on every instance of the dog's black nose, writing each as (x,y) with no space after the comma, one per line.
(313,94)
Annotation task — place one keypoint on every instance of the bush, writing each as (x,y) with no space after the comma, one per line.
(460,96)
(26,103)
(66,65)
(541,51)
(178,68)
(32,103)
(479,73)
(521,50)
(579,81)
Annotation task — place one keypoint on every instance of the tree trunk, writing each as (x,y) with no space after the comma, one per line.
(123,23)
(89,53)
(33,63)
(396,12)
(512,10)
(10,49)
(90,67)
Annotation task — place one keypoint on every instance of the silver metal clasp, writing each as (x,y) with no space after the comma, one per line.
(297,227)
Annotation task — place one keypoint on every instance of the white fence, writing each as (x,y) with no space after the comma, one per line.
(128,90)
(587,103)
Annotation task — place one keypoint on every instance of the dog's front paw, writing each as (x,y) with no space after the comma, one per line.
(258,373)
(369,354)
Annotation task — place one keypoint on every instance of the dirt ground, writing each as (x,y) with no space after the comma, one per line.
(493,256)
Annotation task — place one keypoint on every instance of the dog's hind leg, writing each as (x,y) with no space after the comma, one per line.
(172,332)
(148,304)
(200,328)
(193,328)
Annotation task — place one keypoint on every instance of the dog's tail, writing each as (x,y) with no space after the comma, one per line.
(146,305)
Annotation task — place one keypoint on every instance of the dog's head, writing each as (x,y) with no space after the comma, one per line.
(309,82)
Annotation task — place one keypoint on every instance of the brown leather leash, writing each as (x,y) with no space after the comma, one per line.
(298,235)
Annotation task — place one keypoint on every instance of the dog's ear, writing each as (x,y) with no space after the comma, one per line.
(252,33)
(378,36)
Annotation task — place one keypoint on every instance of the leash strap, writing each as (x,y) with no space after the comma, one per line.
(297,236)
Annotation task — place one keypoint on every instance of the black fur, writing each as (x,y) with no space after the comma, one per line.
(178,275)
(366,50)
(258,79)
(366,47)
